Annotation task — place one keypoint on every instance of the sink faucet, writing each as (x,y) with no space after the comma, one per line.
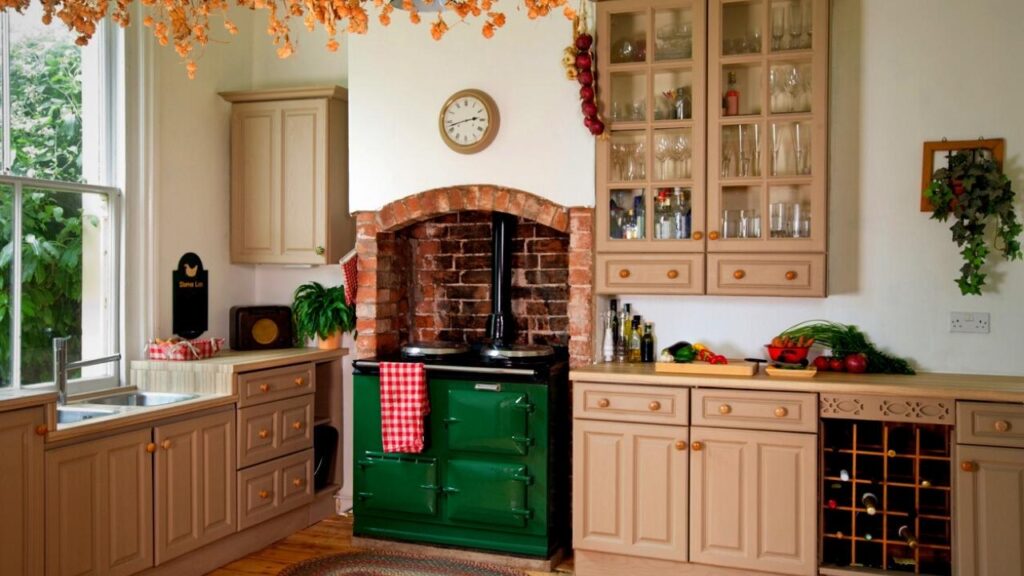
(61,366)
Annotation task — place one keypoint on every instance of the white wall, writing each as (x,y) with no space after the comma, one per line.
(400,77)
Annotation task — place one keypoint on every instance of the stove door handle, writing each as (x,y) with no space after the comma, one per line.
(450,490)
(430,487)
(522,440)
(526,514)
(524,406)
(450,420)
(524,478)
(365,463)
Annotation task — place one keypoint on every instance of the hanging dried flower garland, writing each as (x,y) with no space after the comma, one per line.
(185,24)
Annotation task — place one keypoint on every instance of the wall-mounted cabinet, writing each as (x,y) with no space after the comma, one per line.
(718,148)
(289,176)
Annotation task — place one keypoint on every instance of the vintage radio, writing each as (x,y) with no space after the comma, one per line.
(261,327)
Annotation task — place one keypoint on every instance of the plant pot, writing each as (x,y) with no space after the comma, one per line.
(332,342)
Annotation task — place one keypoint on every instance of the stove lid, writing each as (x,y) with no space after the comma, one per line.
(518,351)
(417,349)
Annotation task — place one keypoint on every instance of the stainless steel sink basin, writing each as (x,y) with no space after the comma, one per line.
(142,399)
(70,414)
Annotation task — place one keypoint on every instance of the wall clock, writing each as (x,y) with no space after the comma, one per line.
(468,121)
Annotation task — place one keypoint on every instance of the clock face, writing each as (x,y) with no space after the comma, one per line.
(469,121)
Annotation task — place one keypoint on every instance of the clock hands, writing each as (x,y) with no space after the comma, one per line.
(450,124)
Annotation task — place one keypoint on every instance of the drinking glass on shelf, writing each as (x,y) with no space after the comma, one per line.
(795,22)
(749,224)
(777,220)
(661,154)
(776,148)
(682,146)
(795,89)
(730,223)
(799,148)
(781,100)
(624,51)
(754,42)
(640,160)
(617,157)
(808,22)
(800,224)
(778,26)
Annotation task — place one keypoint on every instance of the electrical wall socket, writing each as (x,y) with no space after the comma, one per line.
(970,322)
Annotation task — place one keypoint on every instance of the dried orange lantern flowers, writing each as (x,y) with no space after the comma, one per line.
(186,24)
(578,60)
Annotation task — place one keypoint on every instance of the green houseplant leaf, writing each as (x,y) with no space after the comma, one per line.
(318,311)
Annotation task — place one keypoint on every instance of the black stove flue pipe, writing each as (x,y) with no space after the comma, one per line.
(501,325)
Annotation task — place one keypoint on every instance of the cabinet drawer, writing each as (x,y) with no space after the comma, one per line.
(275,429)
(624,403)
(791,412)
(990,424)
(767,274)
(274,487)
(650,274)
(269,385)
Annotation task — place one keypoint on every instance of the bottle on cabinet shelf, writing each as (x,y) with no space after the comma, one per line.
(732,97)
(608,346)
(634,340)
(647,343)
(870,502)
(908,536)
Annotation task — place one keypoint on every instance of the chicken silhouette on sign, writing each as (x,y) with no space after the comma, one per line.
(191,297)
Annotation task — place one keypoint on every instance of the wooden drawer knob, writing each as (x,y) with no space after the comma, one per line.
(297,482)
(166,444)
(41,430)
(724,409)
(263,434)
(300,381)
(713,235)
(672,274)
(151,447)
(1002,426)
(781,412)
(624,273)
(264,494)
(738,274)
(264,388)
(697,446)
(968,466)
(654,406)
(790,275)
(698,235)
(297,425)
(603,403)
(681,445)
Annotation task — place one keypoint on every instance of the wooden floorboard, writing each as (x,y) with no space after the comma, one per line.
(331,536)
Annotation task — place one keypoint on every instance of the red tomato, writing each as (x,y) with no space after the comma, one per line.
(821,363)
(856,363)
(836,364)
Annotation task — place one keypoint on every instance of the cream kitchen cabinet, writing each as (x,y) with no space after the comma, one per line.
(21,499)
(195,483)
(99,506)
(289,176)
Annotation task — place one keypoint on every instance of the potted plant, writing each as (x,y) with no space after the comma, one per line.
(974,191)
(322,313)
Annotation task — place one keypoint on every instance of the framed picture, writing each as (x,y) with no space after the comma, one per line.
(936,155)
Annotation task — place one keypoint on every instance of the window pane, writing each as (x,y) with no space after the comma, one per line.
(66,281)
(6,263)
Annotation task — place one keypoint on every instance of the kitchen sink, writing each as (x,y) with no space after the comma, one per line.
(70,414)
(142,399)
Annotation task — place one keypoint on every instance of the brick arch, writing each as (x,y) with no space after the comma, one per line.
(378,307)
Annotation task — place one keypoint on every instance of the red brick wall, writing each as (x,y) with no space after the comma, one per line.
(439,241)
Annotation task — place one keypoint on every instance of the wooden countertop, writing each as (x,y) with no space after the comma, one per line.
(16,398)
(924,384)
(234,362)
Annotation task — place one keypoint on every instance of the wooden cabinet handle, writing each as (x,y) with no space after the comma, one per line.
(1001,426)
(781,412)
(297,425)
(603,403)
(299,381)
(166,444)
(713,235)
(263,434)
(697,446)
(697,235)
(41,430)
(624,273)
(297,482)
(264,494)
(724,409)
(264,388)
(151,447)
(672,274)
(968,466)
(680,445)
(654,406)
(738,274)
(790,275)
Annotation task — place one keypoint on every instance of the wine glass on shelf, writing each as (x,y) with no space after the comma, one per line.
(776,148)
(661,154)
(795,23)
(778,26)
(682,146)
(808,23)
(641,160)
(794,87)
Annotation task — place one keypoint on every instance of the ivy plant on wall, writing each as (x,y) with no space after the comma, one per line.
(974,192)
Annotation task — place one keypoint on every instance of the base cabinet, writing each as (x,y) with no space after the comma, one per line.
(195,483)
(99,506)
(989,511)
(21,496)
(753,500)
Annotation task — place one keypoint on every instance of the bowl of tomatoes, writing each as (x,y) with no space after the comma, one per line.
(788,350)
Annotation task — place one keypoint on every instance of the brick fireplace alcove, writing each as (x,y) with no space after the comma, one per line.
(424,270)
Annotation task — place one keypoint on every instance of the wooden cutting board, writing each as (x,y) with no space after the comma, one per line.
(733,368)
(808,372)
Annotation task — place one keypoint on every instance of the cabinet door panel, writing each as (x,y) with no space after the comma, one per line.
(303,181)
(255,182)
(130,506)
(21,499)
(990,512)
(753,500)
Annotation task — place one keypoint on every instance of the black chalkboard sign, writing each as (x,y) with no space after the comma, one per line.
(191,297)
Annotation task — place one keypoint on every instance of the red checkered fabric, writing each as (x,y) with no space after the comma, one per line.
(403,403)
(350,268)
(185,349)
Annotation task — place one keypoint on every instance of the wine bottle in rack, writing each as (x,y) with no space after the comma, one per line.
(907,534)
(870,502)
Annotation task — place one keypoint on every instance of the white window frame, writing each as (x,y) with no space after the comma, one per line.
(111,65)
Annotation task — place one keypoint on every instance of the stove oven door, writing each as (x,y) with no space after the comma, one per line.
(491,493)
(394,483)
(488,417)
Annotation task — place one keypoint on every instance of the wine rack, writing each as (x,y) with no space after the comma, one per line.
(886,496)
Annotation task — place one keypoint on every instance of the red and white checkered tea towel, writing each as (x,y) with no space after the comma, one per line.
(184,349)
(403,403)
